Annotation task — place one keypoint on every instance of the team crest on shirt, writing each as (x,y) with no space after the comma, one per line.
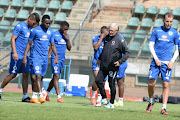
(27,34)
(48,32)
(113,43)
(14,69)
(170,33)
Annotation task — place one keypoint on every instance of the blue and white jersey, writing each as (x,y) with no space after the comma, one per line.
(98,52)
(41,40)
(164,39)
(60,43)
(22,31)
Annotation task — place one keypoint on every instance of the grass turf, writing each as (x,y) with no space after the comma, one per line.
(79,108)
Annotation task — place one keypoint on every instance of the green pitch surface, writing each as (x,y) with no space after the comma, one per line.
(79,108)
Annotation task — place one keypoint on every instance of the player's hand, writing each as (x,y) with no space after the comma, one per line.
(56,60)
(158,62)
(170,65)
(98,63)
(66,35)
(116,64)
(103,35)
(24,61)
(15,56)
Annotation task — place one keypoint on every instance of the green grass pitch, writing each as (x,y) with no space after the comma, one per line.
(79,108)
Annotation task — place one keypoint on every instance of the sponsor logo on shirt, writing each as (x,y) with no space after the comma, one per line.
(170,33)
(159,30)
(38,30)
(163,38)
(62,41)
(57,35)
(44,37)
(27,34)
(24,27)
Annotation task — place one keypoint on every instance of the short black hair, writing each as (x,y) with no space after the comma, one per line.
(45,17)
(168,15)
(64,23)
(104,27)
(34,16)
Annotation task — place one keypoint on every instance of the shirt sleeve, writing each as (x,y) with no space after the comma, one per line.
(17,30)
(176,39)
(52,38)
(95,40)
(32,35)
(153,36)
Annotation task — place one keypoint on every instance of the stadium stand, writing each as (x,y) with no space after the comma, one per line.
(4,26)
(146,22)
(145,50)
(51,14)
(29,4)
(37,11)
(7,40)
(134,48)
(133,22)
(4,2)
(55,27)
(10,13)
(41,4)
(175,24)
(13,25)
(164,10)
(67,5)
(54,4)
(127,34)
(140,36)
(1,12)
(16,3)
(1,36)
(23,14)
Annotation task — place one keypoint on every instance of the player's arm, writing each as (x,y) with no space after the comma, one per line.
(55,52)
(26,52)
(176,53)
(13,46)
(68,43)
(96,45)
(50,51)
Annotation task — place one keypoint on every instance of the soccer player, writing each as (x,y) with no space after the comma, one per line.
(41,37)
(98,44)
(161,46)
(19,41)
(61,41)
(111,58)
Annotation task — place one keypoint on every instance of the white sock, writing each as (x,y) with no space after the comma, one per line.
(99,97)
(25,95)
(43,90)
(34,95)
(1,90)
(93,94)
(163,106)
(40,94)
(151,100)
(120,99)
(58,96)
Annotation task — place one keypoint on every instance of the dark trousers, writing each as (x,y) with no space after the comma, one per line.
(111,79)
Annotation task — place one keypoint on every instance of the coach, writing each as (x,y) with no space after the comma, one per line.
(111,58)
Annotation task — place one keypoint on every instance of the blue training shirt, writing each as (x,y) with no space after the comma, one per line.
(22,31)
(60,43)
(164,39)
(41,40)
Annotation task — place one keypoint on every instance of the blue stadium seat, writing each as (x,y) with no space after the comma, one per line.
(10,13)
(4,2)
(133,21)
(152,10)
(51,14)
(176,11)
(164,10)
(1,12)
(41,4)
(67,5)
(146,22)
(54,5)
(29,4)
(158,22)
(175,24)
(61,16)
(23,14)
(16,3)
(55,27)
(140,9)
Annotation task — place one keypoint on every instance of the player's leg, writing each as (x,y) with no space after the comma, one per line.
(111,79)
(120,83)
(153,75)
(39,87)
(166,76)
(99,81)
